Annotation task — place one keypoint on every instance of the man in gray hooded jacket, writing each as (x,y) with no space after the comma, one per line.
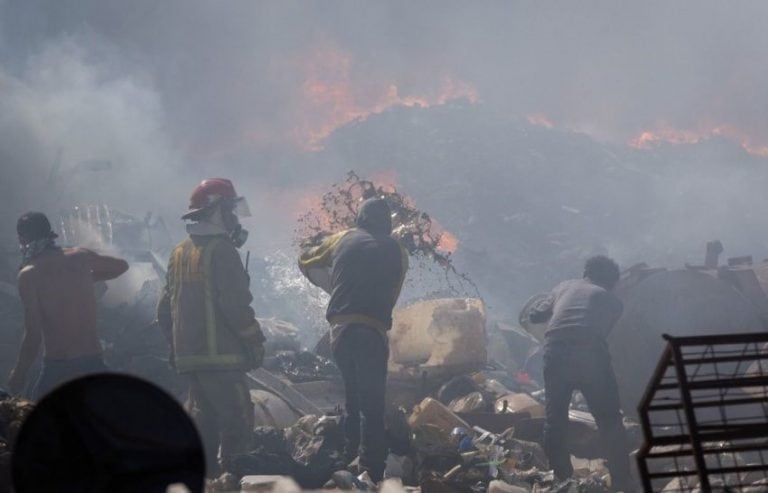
(363,270)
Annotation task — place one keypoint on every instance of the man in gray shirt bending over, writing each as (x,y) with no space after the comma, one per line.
(581,313)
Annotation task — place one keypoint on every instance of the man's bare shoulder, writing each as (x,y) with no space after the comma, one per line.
(27,280)
(78,255)
(77,252)
(25,274)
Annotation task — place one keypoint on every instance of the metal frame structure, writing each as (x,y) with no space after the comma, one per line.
(705,416)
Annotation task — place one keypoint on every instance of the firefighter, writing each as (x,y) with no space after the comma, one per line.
(206,315)
(581,313)
(363,270)
(56,289)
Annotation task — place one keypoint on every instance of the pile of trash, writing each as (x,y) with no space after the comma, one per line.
(13,411)
(310,452)
(474,435)
(469,424)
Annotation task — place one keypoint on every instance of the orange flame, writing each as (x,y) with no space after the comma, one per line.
(649,139)
(331,97)
(448,242)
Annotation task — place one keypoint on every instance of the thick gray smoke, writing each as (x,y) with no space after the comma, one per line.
(132,103)
(76,131)
(231,76)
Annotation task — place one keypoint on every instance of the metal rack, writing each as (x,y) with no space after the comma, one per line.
(705,416)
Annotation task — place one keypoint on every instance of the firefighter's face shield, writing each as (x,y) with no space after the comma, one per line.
(240,207)
(237,206)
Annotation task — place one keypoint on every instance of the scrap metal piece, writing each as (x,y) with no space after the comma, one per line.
(264,380)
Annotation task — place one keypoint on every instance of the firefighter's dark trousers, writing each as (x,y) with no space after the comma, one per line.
(572,364)
(361,353)
(220,404)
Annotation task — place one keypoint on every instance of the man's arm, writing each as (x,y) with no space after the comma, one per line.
(541,311)
(104,267)
(33,333)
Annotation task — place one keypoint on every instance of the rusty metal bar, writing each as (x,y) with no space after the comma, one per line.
(719,339)
(761,381)
(728,359)
(690,415)
(732,402)
(658,373)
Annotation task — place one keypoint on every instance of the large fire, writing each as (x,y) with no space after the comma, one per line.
(665,133)
(332,96)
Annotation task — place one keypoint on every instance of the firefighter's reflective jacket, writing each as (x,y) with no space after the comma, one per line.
(205,308)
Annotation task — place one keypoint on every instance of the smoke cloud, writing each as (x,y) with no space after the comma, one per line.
(132,103)
(76,131)
(231,77)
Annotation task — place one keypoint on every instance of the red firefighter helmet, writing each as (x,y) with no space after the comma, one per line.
(210,193)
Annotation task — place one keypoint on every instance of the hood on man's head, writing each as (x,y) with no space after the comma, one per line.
(375,216)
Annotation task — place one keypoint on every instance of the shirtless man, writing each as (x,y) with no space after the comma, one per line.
(56,289)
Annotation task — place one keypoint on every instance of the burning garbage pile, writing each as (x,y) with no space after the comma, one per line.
(529,202)
(456,420)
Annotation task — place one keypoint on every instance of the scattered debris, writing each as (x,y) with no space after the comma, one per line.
(13,411)
(301,366)
(310,452)
(263,484)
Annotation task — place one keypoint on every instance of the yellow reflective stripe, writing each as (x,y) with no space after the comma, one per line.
(359,319)
(210,311)
(177,264)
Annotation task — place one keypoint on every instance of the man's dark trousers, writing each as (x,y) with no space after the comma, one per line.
(361,353)
(577,364)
